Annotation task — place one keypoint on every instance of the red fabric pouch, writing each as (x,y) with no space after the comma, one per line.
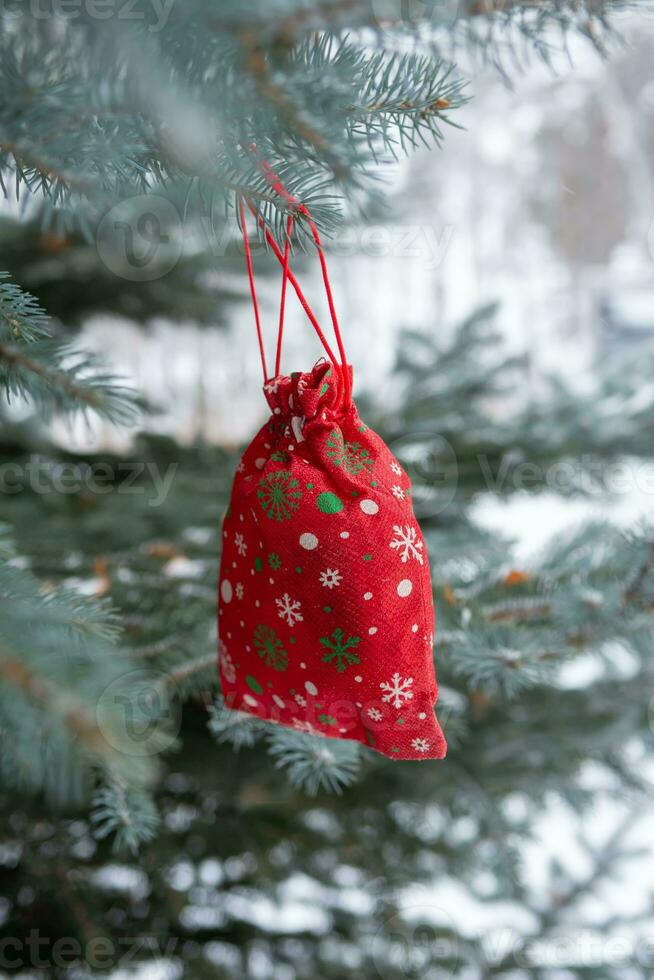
(326,615)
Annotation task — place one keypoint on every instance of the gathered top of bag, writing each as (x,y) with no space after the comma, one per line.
(321,391)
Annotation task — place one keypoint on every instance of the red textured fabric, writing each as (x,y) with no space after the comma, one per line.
(326,615)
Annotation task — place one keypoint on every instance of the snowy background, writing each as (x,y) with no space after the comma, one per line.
(544,202)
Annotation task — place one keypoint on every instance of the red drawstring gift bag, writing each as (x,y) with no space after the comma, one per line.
(325,606)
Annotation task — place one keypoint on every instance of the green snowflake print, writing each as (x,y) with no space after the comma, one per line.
(270,648)
(280,457)
(339,650)
(350,455)
(279,494)
(274,561)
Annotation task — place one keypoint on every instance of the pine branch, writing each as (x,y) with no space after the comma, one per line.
(45,695)
(576,600)
(129,815)
(23,317)
(236,728)
(115,111)
(256,65)
(605,862)
(398,100)
(187,671)
(314,763)
(52,374)
(41,376)
(39,175)
(58,667)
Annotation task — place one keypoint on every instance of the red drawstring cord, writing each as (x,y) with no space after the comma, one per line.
(296,286)
(253,289)
(277,185)
(282,301)
(330,300)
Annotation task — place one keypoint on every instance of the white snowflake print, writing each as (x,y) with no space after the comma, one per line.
(289,610)
(375,714)
(398,492)
(227,664)
(240,544)
(406,542)
(420,744)
(271,386)
(304,726)
(398,690)
(240,591)
(330,578)
(397,469)
(241,467)
(301,700)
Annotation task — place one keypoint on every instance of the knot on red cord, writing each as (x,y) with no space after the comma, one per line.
(307,394)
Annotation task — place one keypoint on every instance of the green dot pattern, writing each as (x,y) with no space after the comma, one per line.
(329,503)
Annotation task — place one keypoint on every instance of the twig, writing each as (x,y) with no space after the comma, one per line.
(46,695)
(257,66)
(184,671)
(46,171)
(56,378)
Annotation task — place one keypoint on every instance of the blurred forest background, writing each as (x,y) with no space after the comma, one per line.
(498,307)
